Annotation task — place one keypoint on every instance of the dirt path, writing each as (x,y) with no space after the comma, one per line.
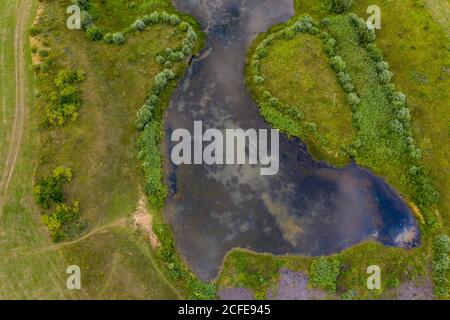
(23,10)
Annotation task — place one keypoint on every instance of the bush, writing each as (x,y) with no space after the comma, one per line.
(108,38)
(441,264)
(365,34)
(353,99)
(382,66)
(139,25)
(329,46)
(68,77)
(338,64)
(47,192)
(340,6)
(385,76)
(66,101)
(94,33)
(43,53)
(118,38)
(62,174)
(34,31)
(261,52)
(324,273)
(374,53)
(86,19)
(325,22)
(174,20)
(61,217)
(258,80)
(83,4)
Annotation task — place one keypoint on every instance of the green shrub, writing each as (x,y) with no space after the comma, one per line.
(108,38)
(365,34)
(353,99)
(94,33)
(65,102)
(382,66)
(258,80)
(62,174)
(324,273)
(139,24)
(86,19)
(385,76)
(43,53)
(68,77)
(441,265)
(329,46)
(338,64)
(374,53)
(118,38)
(34,31)
(340,6)
(60,218)
(174,20)
(47,192)
(83,4)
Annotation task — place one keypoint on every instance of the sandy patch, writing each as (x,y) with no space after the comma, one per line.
(294,286)
(143,221)
(416,290)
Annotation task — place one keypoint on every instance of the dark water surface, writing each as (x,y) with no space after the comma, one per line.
(308,208)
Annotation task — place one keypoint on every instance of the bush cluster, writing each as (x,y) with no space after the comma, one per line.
(65,101)
(340,67)
(169,56)
(49,189)
(47,193)
(441,264)
(150,140)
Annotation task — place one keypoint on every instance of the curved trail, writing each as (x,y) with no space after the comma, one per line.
(20,110)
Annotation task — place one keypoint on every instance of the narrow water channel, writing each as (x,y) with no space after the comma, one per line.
(309,207)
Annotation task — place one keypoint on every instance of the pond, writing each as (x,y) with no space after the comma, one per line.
(308,208)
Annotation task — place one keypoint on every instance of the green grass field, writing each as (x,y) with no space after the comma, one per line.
(100,146)
(311,86)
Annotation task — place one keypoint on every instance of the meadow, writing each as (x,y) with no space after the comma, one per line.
(97,141)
